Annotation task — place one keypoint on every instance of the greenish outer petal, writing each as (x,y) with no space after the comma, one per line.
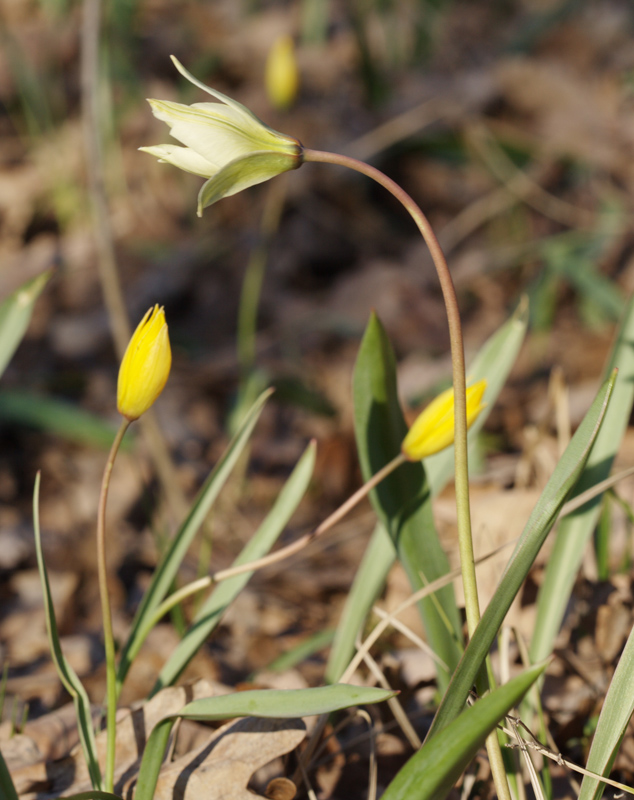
(247,115)
(244,172)
(182,157)
(251,128)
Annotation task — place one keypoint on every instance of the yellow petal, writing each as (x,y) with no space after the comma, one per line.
(145,366)
(433,429)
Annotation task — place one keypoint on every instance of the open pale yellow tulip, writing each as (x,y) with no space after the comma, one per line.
(224,142)
(433,429)
(145,366)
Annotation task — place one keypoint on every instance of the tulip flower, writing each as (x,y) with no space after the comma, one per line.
(281,74)
(433,429)
(145,366)
(224,142)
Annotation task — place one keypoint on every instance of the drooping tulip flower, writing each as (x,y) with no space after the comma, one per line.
(223,142)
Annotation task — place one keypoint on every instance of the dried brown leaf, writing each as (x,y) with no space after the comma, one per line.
(222,768)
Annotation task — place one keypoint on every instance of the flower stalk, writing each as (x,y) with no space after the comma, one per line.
(143,373)
(108,637)
(467,561)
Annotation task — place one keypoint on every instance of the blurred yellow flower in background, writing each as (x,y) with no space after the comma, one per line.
(281,77)
(145,366)
(433,429)
(224,142)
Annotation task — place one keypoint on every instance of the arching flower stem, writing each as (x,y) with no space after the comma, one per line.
(457,360)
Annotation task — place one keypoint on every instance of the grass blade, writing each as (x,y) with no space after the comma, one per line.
(15,315)
(67,674)
(267,703)
(170,563)
(402,501)
(617,710)
(6,783)
(575,530)
(540,522)
(434,769)
(211,611)
(58,417)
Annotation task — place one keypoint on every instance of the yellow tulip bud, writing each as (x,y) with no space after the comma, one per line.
(433,429)
(145,366)
(281,75)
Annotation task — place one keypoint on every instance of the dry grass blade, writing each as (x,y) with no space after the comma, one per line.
(394,704)
(533,744)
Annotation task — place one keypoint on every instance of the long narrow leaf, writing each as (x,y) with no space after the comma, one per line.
(403,500)
(266,703)
(66,673)
(56,416)
(170,563)
(575,530)
(493,362)
(7,786)
(260,543)
(15,315)
(617,710)
(540,522)
(433,770)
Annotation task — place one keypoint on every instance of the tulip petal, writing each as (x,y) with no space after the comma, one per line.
(182,157)
(215,134)
(243,111)
(433,429)
(242,173)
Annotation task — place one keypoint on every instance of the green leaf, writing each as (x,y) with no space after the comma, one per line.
(210,613)
(6,783)
(575,530)
(266,703)
(58,417)
(494,361)
(66,673)
(434,769)
(169,565)
(540,522)
(402,501)
(15,315)
(614,719)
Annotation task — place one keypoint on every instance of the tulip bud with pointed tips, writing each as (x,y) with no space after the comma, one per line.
(281,74)
(145,366)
